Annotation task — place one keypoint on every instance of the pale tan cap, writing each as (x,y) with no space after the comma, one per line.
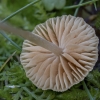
(80,52)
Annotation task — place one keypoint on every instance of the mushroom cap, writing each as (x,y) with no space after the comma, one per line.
(80,52)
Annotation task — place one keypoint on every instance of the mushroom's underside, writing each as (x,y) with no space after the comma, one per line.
(79,45)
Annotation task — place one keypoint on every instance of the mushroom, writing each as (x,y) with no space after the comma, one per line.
(60,71)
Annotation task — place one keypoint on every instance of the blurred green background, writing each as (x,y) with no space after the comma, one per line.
(13,82)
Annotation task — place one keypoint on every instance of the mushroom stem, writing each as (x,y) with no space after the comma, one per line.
(33,38)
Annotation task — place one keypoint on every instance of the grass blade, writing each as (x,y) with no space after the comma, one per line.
(95,6)
(12,42)
(79,5)
(76,11)
(1,68)
(30,93)
(16,12)
(86,89)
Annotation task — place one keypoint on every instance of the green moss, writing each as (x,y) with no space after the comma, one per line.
(14,85)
